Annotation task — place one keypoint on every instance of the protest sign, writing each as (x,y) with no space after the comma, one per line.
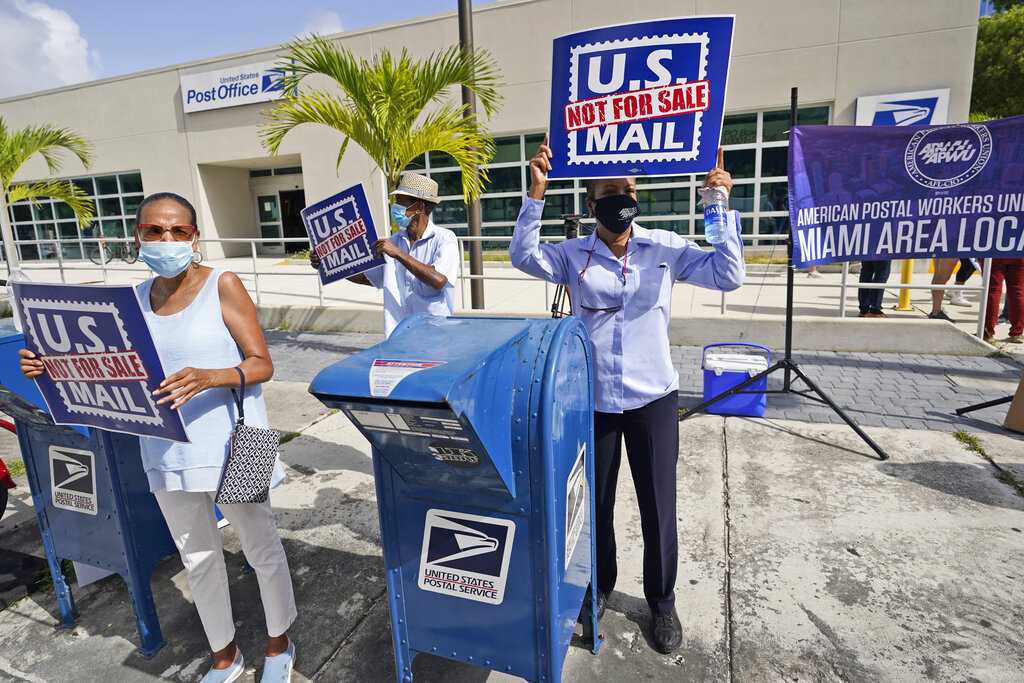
(639,99)
(101,364)
(859,193)
(342,234)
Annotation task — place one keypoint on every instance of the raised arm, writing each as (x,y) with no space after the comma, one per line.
(722,269)
(528,253)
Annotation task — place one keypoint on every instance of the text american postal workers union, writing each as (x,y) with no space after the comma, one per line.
(101,364)
(862,193)
(342,234)
(639,99)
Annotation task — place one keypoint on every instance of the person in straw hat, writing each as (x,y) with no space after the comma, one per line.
(421,259)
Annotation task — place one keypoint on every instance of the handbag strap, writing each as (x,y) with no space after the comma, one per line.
(240,396)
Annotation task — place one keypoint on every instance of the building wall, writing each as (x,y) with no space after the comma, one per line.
(832,50)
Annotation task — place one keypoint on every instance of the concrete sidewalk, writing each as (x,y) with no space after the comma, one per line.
(802,558)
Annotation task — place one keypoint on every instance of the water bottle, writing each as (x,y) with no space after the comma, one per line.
(716,203)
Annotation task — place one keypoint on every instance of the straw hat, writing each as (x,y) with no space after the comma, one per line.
(418,186)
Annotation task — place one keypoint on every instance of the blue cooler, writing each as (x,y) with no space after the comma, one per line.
(723,371)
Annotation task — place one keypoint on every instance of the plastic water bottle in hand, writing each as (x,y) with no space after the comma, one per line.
(716,203)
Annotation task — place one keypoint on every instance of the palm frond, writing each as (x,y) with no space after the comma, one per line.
(393,106)
(47,141)
(60,190)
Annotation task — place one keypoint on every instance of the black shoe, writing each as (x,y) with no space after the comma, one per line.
(668,632)
(941,315)
(602,603)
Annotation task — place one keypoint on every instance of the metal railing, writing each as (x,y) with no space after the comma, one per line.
(761,280)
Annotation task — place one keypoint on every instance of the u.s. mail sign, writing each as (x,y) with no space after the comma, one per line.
(639,99)
(244,84)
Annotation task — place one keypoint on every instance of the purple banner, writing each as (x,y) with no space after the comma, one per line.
(860,193)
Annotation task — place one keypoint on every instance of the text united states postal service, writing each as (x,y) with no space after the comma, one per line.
(101,364)
(639,99)
(342,234)
(867,193)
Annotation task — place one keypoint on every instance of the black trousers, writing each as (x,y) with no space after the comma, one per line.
(652,446)
(875,272)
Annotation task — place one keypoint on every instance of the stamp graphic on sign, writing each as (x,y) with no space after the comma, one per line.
(100,361)
(645,98)
(575,503)
(342,233)
(73,479)
(466,556)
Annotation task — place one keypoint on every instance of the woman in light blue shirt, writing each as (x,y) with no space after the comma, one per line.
(620,282)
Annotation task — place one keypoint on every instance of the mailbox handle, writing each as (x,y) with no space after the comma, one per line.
(240,396)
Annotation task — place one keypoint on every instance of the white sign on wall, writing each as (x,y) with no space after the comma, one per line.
(920,108)
(243,84)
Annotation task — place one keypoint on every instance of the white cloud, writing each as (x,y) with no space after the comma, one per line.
(323,21)
(41,47)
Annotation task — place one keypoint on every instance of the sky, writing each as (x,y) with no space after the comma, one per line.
(49,43)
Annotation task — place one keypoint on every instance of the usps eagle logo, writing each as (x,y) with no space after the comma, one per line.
(948,156)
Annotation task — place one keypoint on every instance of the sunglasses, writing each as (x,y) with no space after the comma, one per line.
(151,232)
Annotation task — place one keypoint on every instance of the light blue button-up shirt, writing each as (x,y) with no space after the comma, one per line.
(626,304)
(404,293)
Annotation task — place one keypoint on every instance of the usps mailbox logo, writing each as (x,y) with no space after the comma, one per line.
(948,156)
(466,556)
(639,99)
(73,479)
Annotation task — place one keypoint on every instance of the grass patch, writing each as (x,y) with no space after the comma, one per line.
(288,436)
(971,443)
(16,468)
(44,581)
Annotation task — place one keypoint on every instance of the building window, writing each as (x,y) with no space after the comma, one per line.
(755,154)
(52,224)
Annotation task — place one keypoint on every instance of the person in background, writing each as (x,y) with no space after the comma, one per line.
(620,282)
(943,269)
(204,326)
(870,300)
(1010,271)
(963,274)
(421,263)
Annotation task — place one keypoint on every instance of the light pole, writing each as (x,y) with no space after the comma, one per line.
(476,259)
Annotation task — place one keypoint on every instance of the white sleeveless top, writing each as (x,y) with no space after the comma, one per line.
(197,337)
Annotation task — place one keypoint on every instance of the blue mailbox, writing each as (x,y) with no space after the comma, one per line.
(91,497)
(482,435)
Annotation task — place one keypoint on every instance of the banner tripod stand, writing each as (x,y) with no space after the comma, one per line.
(787,365)
(986,404)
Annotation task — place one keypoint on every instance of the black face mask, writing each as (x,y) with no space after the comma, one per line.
(616,213)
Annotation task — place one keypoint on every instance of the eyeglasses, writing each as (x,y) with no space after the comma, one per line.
(151,232)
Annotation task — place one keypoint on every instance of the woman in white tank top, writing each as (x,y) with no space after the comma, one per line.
(204,325)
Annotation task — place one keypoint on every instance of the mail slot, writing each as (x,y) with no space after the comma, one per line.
(482,438)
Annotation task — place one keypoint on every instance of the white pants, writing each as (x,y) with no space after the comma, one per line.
(193,524)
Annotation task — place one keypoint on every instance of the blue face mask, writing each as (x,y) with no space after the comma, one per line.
(166,259)
(398,216)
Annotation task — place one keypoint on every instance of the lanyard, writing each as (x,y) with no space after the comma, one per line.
(590,255)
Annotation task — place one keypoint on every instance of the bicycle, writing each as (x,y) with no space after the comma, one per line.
(102,253)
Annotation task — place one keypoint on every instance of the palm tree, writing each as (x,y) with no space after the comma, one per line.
(17,147)
(382,106)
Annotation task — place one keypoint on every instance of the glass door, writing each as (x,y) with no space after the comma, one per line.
(269,210)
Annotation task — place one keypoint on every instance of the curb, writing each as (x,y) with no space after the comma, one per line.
(810,333)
